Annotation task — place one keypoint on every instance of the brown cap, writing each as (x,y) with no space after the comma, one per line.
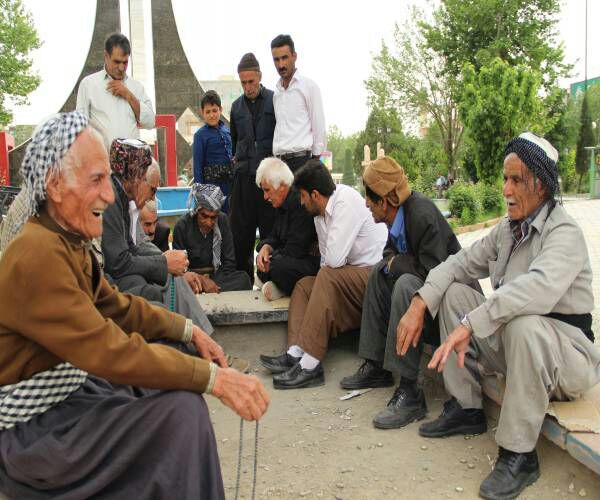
(248,63)
(387,179)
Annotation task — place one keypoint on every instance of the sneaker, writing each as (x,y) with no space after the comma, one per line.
(370,374)
(455,420)
(512,473)
(407,405)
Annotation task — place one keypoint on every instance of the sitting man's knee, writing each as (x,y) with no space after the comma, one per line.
(523,329)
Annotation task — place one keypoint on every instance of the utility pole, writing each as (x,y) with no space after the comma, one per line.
(586,45)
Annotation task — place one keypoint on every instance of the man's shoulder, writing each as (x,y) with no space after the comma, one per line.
(96,77)
(558,218)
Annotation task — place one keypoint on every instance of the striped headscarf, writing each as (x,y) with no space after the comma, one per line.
(539,156)
(48,146)
(210,197)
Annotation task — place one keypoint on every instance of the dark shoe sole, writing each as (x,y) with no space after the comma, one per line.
(308,383)
(470,430)
(413,418)
(372,385)
(531,478)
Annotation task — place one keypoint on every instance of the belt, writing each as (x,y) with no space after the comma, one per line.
(581,321)
(295,154)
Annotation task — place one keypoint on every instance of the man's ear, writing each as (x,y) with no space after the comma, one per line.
(54,188)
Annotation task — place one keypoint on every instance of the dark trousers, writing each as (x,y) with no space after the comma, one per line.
(248,210)
(296,162)
(286,271)
(232,281)
(386,301)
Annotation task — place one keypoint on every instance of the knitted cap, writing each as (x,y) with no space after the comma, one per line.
(387,179)
(248,63)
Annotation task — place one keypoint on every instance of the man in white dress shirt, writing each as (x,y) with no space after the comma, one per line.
(300,132)
(321,306)
(112,99)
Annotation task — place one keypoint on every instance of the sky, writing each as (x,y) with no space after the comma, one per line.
(335,42)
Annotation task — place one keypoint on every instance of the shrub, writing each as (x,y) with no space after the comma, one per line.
(489,197)
(462,196)
(467,217)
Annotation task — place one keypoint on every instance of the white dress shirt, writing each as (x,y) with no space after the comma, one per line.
(300,121)
(347,232)
(112,112)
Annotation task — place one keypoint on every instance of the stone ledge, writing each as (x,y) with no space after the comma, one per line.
(243,308)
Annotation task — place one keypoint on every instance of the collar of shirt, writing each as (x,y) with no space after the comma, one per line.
(331,202)
(295,78)
(106,75)
(49,223)
(398,231)
(520,229)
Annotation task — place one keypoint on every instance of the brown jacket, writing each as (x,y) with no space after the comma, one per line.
(56,306)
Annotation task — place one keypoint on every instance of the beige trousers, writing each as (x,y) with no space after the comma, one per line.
(324,305)
(541,357)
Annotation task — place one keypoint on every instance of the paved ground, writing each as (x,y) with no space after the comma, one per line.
(312,445)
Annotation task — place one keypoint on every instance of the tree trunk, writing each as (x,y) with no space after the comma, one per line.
(579,182)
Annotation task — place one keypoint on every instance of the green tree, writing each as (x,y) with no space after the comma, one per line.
(520,32)
(338,143)
(409,78)
(383,126)
(499,102)
(349,177)
(18,38)
(586,139)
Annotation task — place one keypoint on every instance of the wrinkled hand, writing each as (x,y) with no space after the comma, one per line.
(244,394)
(208,285)
(177,262)
(410,326)
(194,281)
(457,341)
(207,347)
(263,259)
(118,88)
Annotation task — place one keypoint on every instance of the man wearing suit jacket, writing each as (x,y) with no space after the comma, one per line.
(419,239)
(155,231)
(535,328)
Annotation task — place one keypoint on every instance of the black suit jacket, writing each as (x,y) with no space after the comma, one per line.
(429,238)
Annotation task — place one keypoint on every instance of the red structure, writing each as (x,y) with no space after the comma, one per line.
(168,122)
(7,142)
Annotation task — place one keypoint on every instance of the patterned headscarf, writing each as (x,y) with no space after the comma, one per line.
(539,156)
(130,158)
(49,144)
(210,197)
(205,196)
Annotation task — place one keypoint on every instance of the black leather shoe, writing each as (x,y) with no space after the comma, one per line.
(407,405)
(512,473)
(455,420)
(278,364)
(370,374)
(297,377)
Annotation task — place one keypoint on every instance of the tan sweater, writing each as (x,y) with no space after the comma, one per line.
(56,306)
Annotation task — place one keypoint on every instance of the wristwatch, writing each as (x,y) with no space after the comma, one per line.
(466,323)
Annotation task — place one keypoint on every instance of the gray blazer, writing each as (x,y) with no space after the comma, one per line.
(548,272)
(121,256)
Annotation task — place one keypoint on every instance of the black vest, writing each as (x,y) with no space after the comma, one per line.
(249,150)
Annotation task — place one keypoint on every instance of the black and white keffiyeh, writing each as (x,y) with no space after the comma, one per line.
(539,156)
(210,197)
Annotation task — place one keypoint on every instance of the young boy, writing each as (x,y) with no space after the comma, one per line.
(212,148)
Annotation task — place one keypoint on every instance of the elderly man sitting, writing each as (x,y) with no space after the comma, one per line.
(206,236)
(155,231)
(290,252)
(534,328)
(74,352)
